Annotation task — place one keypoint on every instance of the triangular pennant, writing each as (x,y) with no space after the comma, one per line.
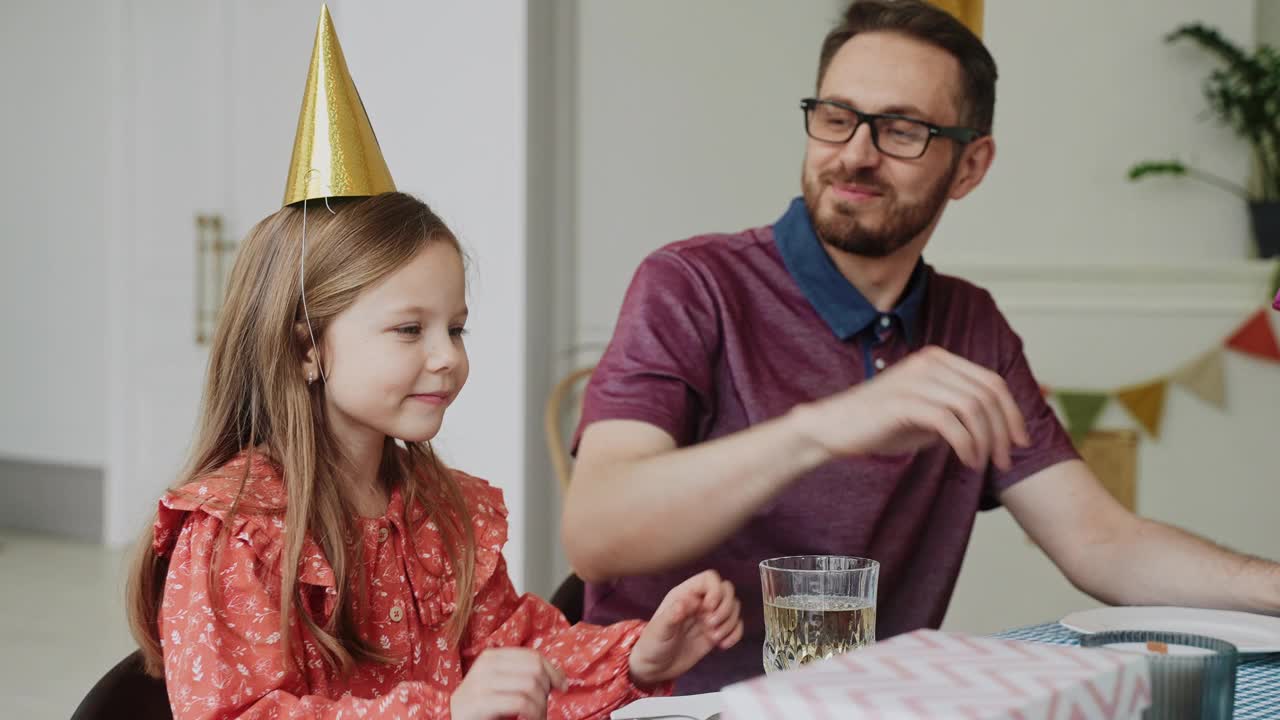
(1145,403)
(968,12)
(1256,338)
(1204,378)
(1082,410)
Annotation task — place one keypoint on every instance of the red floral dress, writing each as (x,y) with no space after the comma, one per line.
(227,661)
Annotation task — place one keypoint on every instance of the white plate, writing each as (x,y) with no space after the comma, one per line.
(706,705)
(1248,632)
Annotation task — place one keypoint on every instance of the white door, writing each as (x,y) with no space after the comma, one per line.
(208,95)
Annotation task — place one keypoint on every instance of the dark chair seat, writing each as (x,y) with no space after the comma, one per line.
(126,692)
(568,598)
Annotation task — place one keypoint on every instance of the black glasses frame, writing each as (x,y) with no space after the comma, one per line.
(962,135)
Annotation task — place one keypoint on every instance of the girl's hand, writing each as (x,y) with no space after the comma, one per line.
(696,617)
(506,682)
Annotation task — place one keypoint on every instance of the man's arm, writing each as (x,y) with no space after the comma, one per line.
(637,504)
(1122,559)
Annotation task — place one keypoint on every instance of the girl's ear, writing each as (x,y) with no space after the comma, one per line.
(311,365)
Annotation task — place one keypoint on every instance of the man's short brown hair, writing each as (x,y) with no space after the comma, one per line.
(926,22)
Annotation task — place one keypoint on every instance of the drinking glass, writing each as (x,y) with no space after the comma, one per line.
(816,606)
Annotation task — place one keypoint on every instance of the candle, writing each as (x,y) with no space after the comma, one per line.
(1192,676)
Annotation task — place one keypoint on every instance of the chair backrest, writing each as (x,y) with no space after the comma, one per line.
(126,691)
(570,598)
(554,419)
(570,595)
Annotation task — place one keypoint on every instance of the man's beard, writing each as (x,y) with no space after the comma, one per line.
(902,223)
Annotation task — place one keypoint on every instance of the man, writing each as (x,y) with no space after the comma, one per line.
(813,387)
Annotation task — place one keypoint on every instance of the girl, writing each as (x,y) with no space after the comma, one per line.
(310,565)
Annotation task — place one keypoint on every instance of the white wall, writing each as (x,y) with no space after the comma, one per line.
(1109,282)
(445,87)
(52,214)
(1269,22)
(688,121)
(549,297)
(1086,89)
(204,106)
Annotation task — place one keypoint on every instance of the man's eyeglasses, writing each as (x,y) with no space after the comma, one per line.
(894,135)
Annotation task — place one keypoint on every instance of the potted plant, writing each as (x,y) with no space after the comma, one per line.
(1243,94)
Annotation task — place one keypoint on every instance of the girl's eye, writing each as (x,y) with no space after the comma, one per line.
(409,330)
(458,331)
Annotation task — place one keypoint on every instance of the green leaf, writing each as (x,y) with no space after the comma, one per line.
(1212,41)
(1165,167)
(1243,94)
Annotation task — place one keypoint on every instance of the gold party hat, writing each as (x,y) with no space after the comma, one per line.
(335,153)
(968,11)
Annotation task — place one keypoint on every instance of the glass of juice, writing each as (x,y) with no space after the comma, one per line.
(816,606)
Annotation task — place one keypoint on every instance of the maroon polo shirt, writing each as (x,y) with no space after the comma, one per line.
(721,332)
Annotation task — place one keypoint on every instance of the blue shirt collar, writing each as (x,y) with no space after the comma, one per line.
(846,311)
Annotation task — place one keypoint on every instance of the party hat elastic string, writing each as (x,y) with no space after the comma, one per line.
(302,281)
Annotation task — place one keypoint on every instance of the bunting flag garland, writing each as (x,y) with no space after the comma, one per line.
(1082,410)
(1145,403)
(1202,377)
(968,12)
(1256,338)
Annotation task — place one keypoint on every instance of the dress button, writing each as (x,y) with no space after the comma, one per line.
(397,613)
(885,321)
(879,363)
(383,533)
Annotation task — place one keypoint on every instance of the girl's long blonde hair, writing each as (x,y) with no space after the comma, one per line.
(257,400)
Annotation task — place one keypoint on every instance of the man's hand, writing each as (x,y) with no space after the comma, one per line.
(931,394)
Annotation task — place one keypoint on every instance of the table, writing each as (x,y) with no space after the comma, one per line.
(1257,678)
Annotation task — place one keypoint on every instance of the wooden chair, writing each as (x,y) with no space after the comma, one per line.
(570,595)
(553,419)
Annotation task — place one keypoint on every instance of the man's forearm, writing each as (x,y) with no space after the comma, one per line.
(1156,564)
(637,505)
(654,513)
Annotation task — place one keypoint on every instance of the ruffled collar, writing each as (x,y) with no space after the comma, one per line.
(259,523)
